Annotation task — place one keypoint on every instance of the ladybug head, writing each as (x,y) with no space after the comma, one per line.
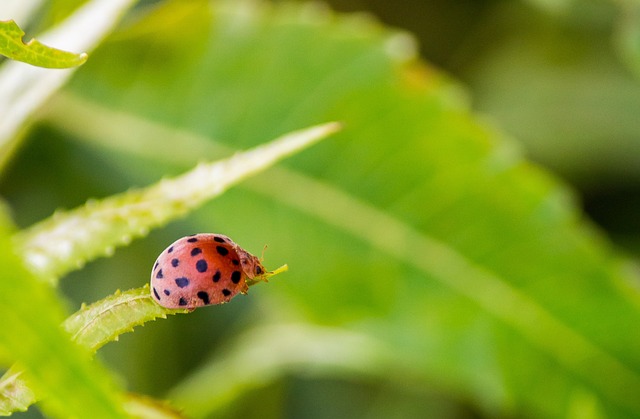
(251,265)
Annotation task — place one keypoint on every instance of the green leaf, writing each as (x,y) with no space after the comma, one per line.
(103,321)
(15,394)
(422,228)
(33,52)
(59,371)
(91,327)
(67,240)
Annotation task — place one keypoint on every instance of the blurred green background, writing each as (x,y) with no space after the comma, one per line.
(558,76)
(554,81)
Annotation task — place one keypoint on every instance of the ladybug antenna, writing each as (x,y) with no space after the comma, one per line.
(262,256)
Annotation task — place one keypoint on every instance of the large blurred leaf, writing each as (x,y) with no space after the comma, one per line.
(418,226)
(58,369)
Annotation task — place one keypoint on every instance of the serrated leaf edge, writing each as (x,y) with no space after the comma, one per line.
(75,326)
(69,239)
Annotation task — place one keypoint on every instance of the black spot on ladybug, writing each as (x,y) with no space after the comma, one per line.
(223,251)
(235,277)
(155,293)
(219,239)
(192,240)
(201,265)
(196,251)
(203,296)
(159,274)
(169,250)
(182,302)
(175,262)
(216,276)
(226,292)
(167,292)
(235,262)
(155,266)
(182,282)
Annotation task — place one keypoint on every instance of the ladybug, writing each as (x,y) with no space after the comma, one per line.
(204,269)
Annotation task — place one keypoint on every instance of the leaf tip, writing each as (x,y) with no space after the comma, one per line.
(82,58)
(281,269)
(326,129)
(334,126)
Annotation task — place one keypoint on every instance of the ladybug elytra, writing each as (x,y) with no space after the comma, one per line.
(204,269)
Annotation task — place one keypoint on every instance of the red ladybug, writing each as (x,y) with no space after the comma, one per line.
(204,269)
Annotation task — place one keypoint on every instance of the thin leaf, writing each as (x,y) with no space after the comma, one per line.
(33,52)
(92,327)
(67,240)
(101,322)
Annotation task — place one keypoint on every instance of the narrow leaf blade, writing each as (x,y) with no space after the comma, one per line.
(92,327)
(34,52)
(67,240)
(103,321)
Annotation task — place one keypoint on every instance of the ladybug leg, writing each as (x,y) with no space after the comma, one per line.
(244,289)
